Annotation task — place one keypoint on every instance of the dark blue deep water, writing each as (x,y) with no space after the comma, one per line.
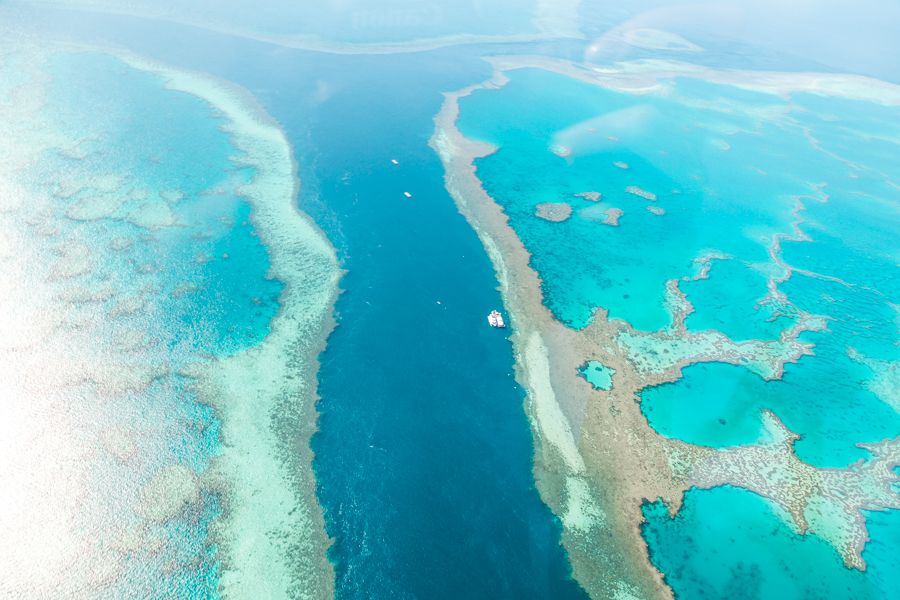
(424,454)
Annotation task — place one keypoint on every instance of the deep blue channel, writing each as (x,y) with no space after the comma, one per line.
(424,454)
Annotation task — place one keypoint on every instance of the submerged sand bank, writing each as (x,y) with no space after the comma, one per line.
(597,459)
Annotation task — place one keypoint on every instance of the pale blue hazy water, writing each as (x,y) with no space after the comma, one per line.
(598,375)
(335,23)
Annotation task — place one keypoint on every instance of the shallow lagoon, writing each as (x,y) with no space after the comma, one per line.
(769,214)
(598,375)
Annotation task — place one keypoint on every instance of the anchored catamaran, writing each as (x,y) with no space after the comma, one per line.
(495,319)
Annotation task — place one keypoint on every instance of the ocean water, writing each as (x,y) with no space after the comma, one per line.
(730,543)
(424,456)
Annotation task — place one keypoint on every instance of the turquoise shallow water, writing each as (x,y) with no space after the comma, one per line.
(206,263)
(598,375)
(672,148)
(739,309)
(728,167)
(731,543)
(721,405)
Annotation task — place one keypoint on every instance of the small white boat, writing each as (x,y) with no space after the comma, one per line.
(394,161)
(407,194)
(495,319)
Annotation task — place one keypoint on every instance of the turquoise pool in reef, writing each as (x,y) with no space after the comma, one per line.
(598,375)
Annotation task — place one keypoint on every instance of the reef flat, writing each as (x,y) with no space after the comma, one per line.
(269,390)
(165,301)
(598,458)
(556,212)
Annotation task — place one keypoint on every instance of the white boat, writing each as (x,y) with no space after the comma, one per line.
(495,319)
(407,194)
